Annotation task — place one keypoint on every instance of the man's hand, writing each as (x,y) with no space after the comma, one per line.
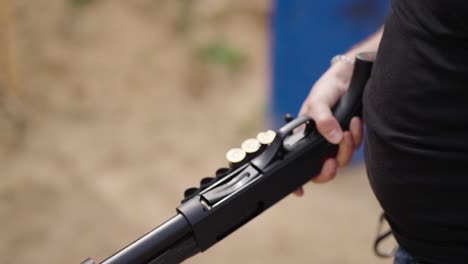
(324,95)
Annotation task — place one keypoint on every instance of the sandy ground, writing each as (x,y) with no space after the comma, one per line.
(121,117)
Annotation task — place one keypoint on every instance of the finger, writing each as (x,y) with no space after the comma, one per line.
(326,124)
(355,127)
(304,109)
(299,192)
(328,171)
(345,149)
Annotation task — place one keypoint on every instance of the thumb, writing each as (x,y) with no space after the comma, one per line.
(326,124)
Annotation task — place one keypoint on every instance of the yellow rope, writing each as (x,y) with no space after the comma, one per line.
(7,48)
(10,103)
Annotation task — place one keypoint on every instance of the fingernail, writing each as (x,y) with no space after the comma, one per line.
(335,136)
(299,192)
(331,169)
(328,167)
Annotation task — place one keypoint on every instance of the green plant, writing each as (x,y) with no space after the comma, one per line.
(79,3)
(221,54)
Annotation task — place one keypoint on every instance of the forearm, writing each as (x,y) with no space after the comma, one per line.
(342,71)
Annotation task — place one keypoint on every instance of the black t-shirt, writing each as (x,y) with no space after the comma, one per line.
(416,113)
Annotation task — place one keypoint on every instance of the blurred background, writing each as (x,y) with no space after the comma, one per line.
(109,110)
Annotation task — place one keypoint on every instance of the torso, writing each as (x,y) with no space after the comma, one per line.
(416,113)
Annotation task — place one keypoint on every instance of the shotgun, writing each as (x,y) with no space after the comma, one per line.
(261,173)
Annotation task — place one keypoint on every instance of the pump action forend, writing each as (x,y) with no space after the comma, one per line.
(262,172)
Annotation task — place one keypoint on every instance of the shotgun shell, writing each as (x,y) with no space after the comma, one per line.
(235,155)
(271,133)
(205,182)
(190,192)
(251,145)
(266,137)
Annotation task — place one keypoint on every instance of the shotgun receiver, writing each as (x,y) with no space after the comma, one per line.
(263,172)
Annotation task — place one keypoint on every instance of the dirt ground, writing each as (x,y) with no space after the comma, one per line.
(120,114)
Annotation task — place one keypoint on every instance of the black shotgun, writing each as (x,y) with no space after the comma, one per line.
(238,194)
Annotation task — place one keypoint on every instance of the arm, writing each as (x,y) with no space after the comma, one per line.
(324,95)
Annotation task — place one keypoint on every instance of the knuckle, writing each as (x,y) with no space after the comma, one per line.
(343,161)
(305,108)
(324,122)
(342,88)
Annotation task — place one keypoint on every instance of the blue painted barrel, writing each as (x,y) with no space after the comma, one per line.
(305,36)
